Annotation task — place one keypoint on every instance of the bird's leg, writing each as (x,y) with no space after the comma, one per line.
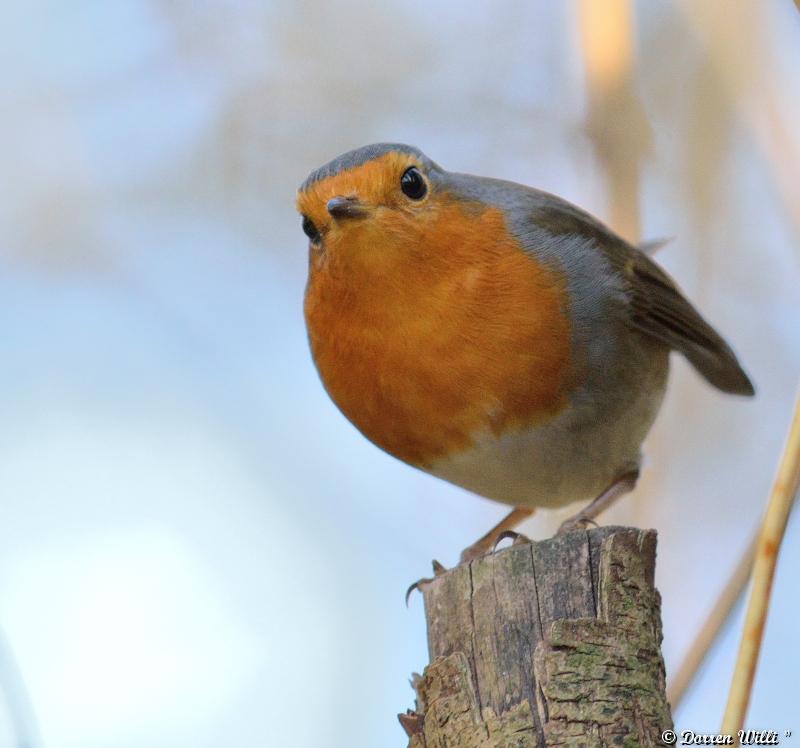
(625,483)
(486,544)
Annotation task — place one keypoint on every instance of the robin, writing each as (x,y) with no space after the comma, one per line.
(491,334)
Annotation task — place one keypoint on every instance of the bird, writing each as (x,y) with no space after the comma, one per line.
(492,334)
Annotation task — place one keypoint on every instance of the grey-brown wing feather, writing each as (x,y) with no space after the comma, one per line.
(658,308)
(655,304)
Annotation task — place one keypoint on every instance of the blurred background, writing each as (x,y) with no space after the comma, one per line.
(196,548)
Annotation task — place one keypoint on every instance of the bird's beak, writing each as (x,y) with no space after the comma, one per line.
(346,207)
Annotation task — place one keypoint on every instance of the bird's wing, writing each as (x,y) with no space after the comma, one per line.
(655,304)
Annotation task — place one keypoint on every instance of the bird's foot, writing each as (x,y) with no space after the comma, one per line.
(477,550)
(438,570)
(579,522)
(486,545)
(621,485)
(517,538)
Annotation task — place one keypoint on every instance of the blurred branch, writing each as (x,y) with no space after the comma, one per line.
(734,46)
(709,631)
(787,482)
(14,692)
(782,152)
(616,123)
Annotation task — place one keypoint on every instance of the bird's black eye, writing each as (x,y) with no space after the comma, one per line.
(413,184)
(310,230)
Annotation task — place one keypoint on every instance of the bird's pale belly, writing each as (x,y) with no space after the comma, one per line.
(574,457)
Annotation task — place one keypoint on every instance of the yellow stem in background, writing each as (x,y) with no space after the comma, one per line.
(784,490)
(616,123)
(607,39)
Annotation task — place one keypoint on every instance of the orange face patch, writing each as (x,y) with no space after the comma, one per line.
(428,323)
(375,183)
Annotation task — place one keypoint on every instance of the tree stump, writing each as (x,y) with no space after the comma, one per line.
(551,643)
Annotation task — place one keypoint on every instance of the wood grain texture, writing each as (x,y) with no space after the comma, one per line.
(554,643)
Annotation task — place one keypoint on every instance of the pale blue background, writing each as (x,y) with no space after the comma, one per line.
(196,548)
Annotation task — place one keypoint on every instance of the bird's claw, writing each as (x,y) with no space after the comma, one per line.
(438,570)
(517,538)
(578,522)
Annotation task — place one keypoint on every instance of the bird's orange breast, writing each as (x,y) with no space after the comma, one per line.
(457,333)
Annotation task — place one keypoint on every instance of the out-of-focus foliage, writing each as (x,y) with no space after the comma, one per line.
(196,547)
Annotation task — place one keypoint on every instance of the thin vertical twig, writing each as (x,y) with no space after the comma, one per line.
(784,489)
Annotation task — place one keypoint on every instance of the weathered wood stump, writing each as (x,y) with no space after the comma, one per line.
(552,643)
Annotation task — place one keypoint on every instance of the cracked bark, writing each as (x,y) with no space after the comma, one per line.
(553,643)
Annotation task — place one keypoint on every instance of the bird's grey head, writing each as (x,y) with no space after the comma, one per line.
(362,155)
